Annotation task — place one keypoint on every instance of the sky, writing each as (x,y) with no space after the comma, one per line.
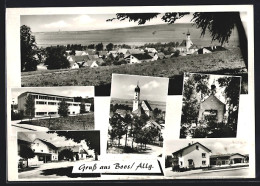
(52,138)
(220,146)
(84,22)
(83,91)
(152,88)
(219,90)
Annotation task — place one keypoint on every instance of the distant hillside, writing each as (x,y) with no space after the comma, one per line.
(132,35)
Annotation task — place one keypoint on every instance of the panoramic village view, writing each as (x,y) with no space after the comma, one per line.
(86,49)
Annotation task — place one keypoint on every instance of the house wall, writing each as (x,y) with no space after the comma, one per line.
(50,107)
(134,60)
(195,155)
(211,103)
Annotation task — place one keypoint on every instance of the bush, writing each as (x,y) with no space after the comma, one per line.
(17,116)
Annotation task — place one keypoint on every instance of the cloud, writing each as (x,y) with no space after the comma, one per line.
(58,24)
(83,19)
(151,85)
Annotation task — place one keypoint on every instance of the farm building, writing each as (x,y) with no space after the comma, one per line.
(47,104)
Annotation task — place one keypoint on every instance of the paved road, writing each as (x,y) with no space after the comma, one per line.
(40,172)
(231,173)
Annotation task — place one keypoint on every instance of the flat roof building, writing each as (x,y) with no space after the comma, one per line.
(48,104)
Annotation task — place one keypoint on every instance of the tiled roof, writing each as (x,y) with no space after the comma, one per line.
(189,147)
(142,56)
(48,144)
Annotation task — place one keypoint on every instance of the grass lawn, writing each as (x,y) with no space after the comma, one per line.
(223,62)
(67,123)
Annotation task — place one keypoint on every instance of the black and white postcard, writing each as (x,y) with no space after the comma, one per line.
(139,63)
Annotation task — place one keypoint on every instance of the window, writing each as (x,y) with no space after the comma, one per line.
(41,102)
(203,155)
(180,163)
(37,144)
(203,162)
(197,147)
(41,150)
(51,103)
(41,113)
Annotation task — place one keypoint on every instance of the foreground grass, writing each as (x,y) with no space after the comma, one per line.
(66,123)
(222,62)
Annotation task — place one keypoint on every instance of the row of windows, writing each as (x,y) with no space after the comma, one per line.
(52,98)
(203,163)
(55,103)
(203,155)
(45,113)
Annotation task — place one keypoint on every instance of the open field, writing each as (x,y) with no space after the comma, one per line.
(66,123)
(137,35)
(222,62)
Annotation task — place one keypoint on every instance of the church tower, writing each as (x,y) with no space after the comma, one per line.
(136,100)
(188,41)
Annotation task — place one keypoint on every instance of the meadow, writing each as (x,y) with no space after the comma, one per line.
(229,62)
(66,123)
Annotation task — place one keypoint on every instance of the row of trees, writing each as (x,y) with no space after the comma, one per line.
(132,127)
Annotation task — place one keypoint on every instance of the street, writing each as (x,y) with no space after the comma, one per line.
(54,170)
(241,172)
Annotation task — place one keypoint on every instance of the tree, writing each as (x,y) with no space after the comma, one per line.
(28,49)
(109,47)
(26,152)
(30,107)
(63,108)
(231,87)
(82,107)
(118,125)
(56,58)
(219,24)
(92,138)
(66,154)
(99,46)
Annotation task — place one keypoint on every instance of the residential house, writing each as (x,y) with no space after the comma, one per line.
(161,55)
(204,51)
(195,155)
(139,58)
(151,50)
(102,54)
(154,56)
(44,152)
(227,159)
(91,51)
(80,53)
(79,153)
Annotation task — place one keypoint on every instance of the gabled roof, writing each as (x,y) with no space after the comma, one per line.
(135,51)
(183,44)
(21,136)
(93,57)
(48,143)
(178,151)
(216,48)
(80,58)
(148,105)
(122,50)
(90,51)
(143,56)
(214,98)
(194,47)
(225,155)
